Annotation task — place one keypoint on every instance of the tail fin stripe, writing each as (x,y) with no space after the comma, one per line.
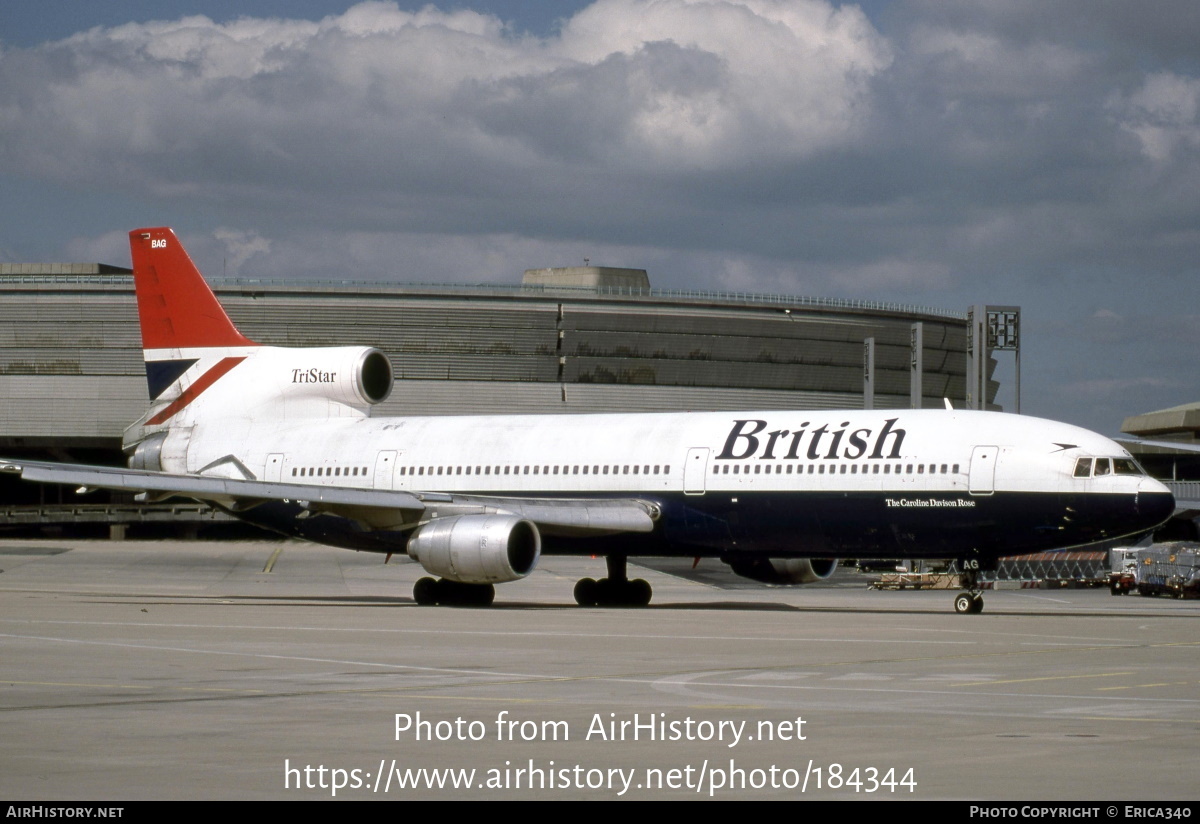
(192,392)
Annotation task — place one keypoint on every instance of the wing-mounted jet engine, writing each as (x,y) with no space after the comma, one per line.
(471,553)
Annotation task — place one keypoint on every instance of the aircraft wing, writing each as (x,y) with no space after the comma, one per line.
(579,516)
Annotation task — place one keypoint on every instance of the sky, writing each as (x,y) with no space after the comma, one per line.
(941,153)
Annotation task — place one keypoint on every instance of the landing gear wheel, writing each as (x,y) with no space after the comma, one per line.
(428,591)
(479,595)
(968,603)
(425,592)
(640,592)
(970,600)
(613,592)
(586,591)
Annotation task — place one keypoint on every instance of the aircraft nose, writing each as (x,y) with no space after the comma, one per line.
(1155,502)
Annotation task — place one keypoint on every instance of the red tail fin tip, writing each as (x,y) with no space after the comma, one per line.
(176,307)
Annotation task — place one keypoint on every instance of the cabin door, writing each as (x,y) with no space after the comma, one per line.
(694,470)
(385,464)
(982,480)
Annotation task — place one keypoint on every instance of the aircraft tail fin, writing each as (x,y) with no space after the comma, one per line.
(187,339)
(176,307)
(200,368)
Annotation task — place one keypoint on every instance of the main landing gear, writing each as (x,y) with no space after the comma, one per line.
(614,591)
(971,601)
(430,591)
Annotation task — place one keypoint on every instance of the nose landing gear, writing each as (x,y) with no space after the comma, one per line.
(969,602)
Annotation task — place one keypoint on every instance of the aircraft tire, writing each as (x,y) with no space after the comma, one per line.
(608,594)
(481,595)
(640,592)
(968,603)
(586,591)
(425,592)
(455,594)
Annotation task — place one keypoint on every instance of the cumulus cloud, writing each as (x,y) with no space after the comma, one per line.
(378,97)
(1162,114)
(240,246)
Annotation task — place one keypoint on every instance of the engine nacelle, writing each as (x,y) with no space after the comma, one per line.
(148,453)
(477,549)
(785,570)
(353,375)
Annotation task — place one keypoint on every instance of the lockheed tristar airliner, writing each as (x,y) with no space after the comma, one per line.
(283,438)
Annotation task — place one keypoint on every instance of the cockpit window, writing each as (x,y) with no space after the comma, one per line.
(1127,466)
(1107,466)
